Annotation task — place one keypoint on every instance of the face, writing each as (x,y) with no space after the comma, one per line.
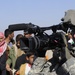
(11,35)
(1,39)
(31,59)
(18,44)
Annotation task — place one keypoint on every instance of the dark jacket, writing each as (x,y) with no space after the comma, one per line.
(20,60)
(3,64)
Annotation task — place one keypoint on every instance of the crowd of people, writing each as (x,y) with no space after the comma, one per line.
(12,57)
(13,60)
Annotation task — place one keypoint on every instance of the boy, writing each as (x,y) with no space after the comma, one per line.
(25,68)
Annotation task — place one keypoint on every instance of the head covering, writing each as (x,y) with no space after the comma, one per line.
(28,31)
(1,35)
(3,45)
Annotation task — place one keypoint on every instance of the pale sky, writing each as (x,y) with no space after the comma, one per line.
(39,12)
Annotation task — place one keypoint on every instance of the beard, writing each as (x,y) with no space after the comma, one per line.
(12,41)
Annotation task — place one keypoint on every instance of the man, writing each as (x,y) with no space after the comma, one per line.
(27,34)
(68,68)
(3,47)
(8,38)
(71,44)
(14,53)
(8,35)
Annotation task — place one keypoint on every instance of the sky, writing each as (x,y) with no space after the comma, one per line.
(39,12)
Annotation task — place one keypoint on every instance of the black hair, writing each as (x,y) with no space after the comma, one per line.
(13,41)
(28,54)
(7,32)
(18,37)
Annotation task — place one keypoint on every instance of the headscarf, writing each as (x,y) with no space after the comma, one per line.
(3,45)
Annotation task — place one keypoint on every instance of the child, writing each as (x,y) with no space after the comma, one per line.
(25,68)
